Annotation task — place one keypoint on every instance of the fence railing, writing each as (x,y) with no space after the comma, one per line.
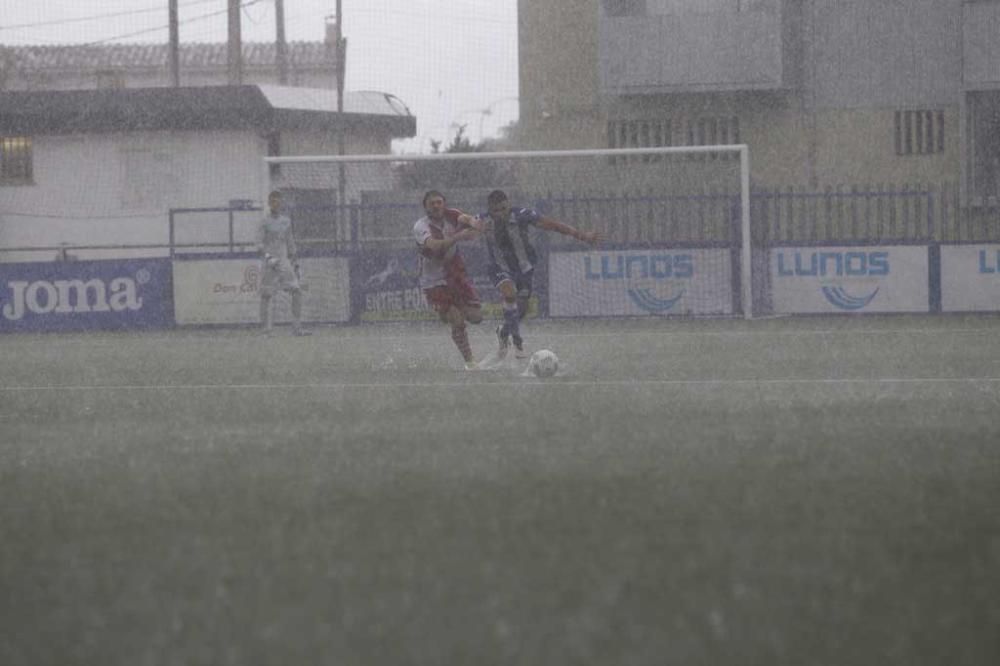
(870,214)
(850,214)
(917,213)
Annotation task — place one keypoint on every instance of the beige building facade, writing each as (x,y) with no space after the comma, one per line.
(826,93)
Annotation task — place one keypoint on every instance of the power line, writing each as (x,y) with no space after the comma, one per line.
(95,17)
(482,18)
(247,3)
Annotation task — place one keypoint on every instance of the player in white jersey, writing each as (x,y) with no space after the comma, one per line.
(443,277)
(279,264)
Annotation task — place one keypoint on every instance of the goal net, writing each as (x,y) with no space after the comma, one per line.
(675,222)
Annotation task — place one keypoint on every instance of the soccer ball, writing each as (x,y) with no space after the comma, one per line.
(544,363)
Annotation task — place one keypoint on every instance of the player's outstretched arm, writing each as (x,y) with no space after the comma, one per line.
(589,237)
(438,245)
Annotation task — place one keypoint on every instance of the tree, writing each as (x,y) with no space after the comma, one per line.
(455,174)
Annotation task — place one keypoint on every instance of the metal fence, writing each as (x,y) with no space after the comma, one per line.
(857,214)
(870,214)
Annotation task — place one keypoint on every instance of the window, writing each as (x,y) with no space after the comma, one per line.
(984,147)
(919,132)
(15,160)
(702,131)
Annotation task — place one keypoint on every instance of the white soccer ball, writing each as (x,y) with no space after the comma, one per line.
(544,363)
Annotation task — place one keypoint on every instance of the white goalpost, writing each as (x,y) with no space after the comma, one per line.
(676,219)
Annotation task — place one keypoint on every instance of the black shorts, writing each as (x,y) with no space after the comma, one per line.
(522,281)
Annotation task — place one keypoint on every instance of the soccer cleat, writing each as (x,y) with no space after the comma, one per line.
(471,365)
(504,343)
(519,351)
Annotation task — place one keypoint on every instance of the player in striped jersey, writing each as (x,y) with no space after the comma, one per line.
(512,259)
(443,276)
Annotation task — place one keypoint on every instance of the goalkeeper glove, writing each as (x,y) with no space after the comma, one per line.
(271,261)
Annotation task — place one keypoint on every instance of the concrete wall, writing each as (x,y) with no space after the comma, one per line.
(680,47)
(884,53)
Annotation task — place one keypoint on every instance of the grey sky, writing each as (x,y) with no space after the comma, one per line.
(451,61)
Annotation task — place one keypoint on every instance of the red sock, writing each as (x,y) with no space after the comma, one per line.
(461,338)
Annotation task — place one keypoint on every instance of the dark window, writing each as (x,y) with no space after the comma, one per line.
(705,131)
(984,147)
(15,160)
(919,132)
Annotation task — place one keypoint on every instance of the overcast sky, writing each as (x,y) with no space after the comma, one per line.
(451,61)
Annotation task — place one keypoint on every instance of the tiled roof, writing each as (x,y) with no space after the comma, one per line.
(134,56)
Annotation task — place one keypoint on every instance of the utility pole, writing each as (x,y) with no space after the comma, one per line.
(341,69)
(235,45)
(341,52)
(280,46)
(175,45)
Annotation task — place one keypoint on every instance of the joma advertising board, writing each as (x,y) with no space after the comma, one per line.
(227,291)
(640,283)
(81,295)
(849,279)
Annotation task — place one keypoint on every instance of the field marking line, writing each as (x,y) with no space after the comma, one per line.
(542,333)
(395,336)
(528,382)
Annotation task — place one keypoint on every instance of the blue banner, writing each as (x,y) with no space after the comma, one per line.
(83,295)
(385,285)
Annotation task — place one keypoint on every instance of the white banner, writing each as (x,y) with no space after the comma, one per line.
(970,278)
(226,291)
(849,279)
(640,282)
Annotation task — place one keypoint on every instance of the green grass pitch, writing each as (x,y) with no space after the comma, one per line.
(812,491)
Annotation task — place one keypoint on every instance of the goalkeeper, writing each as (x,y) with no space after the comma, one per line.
(512,260)
(280,269)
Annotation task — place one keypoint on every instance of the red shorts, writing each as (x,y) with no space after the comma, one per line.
(457,291)
(459,294)
(443,297)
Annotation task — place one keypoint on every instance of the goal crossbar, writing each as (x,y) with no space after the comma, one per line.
(511,155)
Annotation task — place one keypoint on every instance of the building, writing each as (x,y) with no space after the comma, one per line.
(104,167)
(825,92)
(82,67)
(160,148)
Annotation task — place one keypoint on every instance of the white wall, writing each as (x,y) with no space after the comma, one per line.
(117,188)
